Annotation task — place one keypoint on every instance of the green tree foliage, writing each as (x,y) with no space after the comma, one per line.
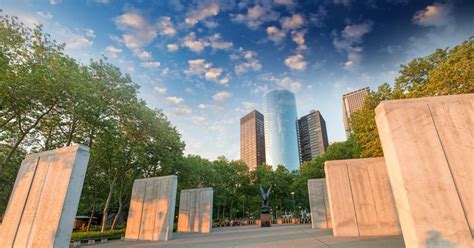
(48,100)
(444,72)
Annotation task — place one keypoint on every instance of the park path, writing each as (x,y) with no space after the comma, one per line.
(281,236)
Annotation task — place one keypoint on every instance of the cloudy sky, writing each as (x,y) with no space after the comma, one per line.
(206,63)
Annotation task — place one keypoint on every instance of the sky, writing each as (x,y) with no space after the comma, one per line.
(206,63)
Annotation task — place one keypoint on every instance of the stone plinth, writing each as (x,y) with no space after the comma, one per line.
(428,145)
(45,197)
(360,198)
(151,213)
(319,204)
(265,220)
(195,210)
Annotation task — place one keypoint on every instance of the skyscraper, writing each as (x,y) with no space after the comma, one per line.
(351,102)
(281,143)
(312,136)
(252,139)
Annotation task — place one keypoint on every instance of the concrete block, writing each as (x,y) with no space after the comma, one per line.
(319,203)
(428,145)
(360,198)
(151,214)
(45,197)
(195,210)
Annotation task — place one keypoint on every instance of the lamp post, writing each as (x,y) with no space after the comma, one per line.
(293,195)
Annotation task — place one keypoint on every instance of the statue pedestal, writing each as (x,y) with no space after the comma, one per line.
(265,220)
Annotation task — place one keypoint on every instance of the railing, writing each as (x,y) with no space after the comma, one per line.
(278,221)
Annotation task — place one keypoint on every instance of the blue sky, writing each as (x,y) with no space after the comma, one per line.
(207,63)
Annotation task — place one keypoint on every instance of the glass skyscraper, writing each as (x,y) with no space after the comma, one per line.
(281,142)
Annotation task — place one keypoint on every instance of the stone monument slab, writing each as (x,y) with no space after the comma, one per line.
(360,198)
(151,214)
(45,197)
(429,151)
(319,203)
(195,210)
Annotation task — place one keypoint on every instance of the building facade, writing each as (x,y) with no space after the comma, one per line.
(281,142)
(252,139)
(351,102)
(312,136)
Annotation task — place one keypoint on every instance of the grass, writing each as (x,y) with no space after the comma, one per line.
(115,234)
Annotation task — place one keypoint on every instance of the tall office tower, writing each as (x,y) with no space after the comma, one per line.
(281,142)
(252,139)
(312,136)
(351,102)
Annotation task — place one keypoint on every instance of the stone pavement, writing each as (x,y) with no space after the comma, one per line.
(275,236)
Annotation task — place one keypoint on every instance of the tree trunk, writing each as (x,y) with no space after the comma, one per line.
(106,206)
(71,132)
(89,223)
(218,212)
(119,212)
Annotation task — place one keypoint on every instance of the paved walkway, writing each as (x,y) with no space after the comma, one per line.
(275,236)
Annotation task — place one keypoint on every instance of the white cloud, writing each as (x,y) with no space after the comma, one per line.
(166,26)
(161,90)
(189,90)
(203,10)
(298,38)
(172,47)
(296,62)
(294,22)
(256,15)
(182,111)
(197,45)
(202,106)
(216,42)
(174,99)
(289,24)
(113,51)
(290,84)
(349,41)
(213,73)
(78,42)
(288,3)
(248,105)
(193,44)
(198,119)
(90,33)
(275,34)
(46,15)
(281,81)
(205,70)
(436,15)
(150,64)
(138,31)
(54,2)
(225,80)
(221,96)
(250,62)
(197,67)
(143,55)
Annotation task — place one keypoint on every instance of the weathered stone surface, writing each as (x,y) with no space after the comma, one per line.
(45,198)
(360,198)
(195,210)
(319,203)
(151,213)
(429,150)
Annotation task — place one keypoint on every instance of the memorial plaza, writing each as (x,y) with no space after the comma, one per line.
(119,124)
(277,236)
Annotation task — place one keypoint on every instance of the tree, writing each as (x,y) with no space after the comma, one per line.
(444,72)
